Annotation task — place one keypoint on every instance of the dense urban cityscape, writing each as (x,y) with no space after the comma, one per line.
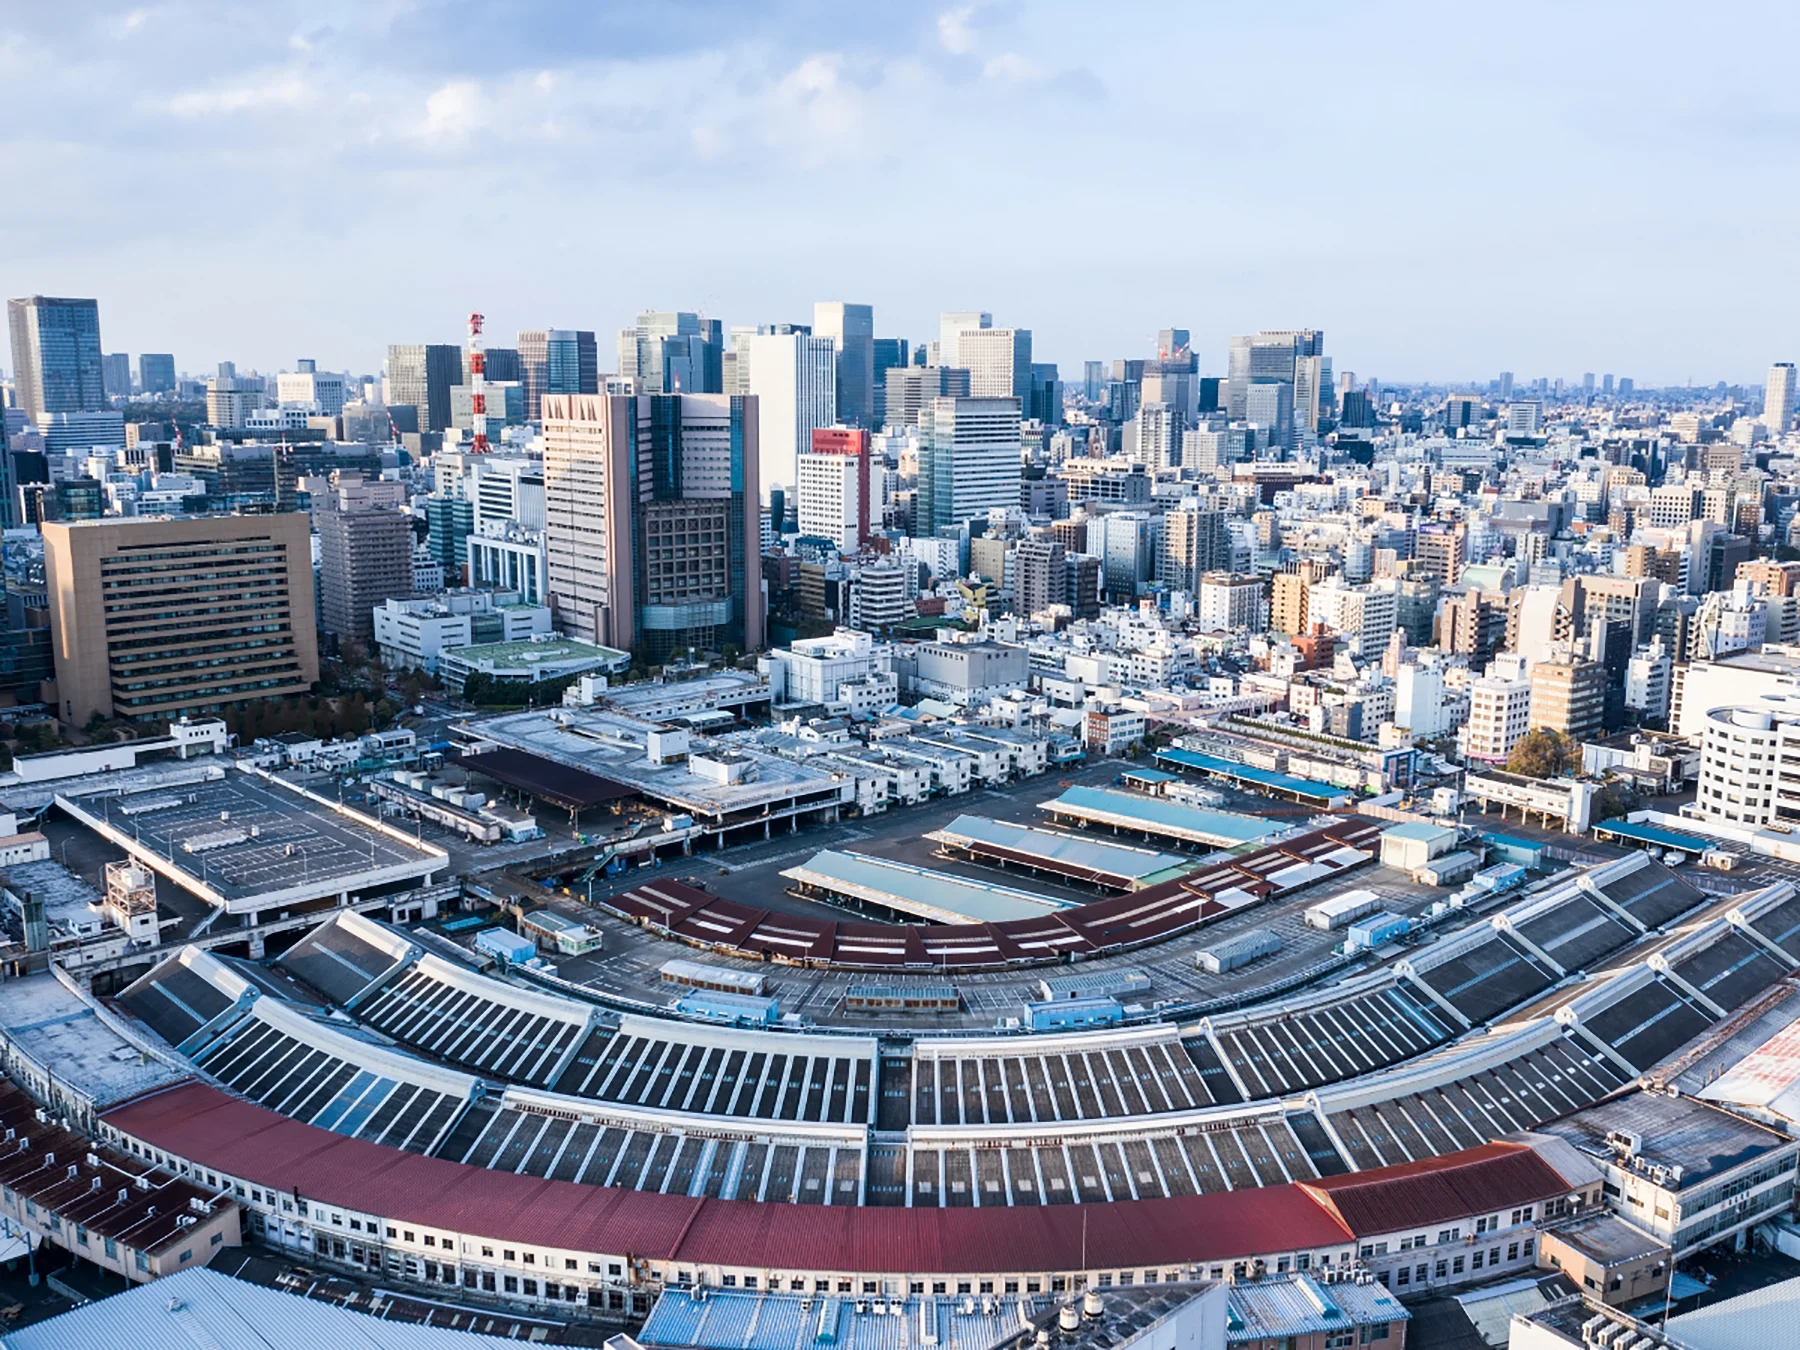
(1213,846)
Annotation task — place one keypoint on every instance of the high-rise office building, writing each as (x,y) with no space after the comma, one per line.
(652,511)
(421,374)
(793,376)
(1778,398)
(156,372)
(839,498)
(673,351)
(556,361)
(1267,357)
(320,392)
(365,559)
(57,365)
(1506,385)
(852,329)
(230,400)
(1045,403)
(910,388)
(115,374)
(969,460)
(1093,380)
(1269,404)
(153,618)
(889,354)
(998,361)
(952,323)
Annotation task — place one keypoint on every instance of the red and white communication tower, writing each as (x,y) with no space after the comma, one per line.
(477,385)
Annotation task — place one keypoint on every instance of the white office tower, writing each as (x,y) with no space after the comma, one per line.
(1524,418)
(1746,763)
(968,460)
(834,491)
(1499,716)
(952,323)
(320,393)
(794,378)
(998,361)
(1778,398)
(852,328)
(1419,703)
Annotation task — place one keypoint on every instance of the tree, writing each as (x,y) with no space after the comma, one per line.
(1544,754)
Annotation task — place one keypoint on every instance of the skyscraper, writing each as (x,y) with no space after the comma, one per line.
(998,361)
(968,460)
(909,388)
(673,351)
(1268,357)
(554,361)
(115,374)
(794,378)
(852,328)
(1778,397)
(57,364)
(652,520)
(952,323)
(421,374)
(890,354)
(156,372)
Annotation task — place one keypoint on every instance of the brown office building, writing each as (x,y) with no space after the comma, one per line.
(1568,695)
(156,616)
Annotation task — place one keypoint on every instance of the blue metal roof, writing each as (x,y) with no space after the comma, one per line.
(1160,815)
(1248,773)
(1653,834)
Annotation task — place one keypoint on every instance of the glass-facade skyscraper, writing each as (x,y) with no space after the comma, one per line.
(57,364)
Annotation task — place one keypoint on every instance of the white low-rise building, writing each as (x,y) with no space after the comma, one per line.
(415,634)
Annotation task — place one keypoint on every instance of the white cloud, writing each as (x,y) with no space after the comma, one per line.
(546,80)
(453,111)
(709,141)
(286,92)
(1011,68)
(815,110)
(954,30)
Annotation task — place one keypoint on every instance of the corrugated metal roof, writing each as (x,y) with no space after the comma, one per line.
(1249,773)
(1134,809)
(1299,1305)
(1754,1321)
(919,890)
(1478,1180)
(1054,846)
(1768,1077)
(202,1307)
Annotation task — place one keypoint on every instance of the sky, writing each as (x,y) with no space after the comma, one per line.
(1447,189)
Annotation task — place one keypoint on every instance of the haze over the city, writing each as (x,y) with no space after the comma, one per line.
(1450,191)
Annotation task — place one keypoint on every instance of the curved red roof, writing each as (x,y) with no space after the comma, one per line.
(224,1133)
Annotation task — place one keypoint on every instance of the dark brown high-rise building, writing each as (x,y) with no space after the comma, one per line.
(365,558)
(155,617)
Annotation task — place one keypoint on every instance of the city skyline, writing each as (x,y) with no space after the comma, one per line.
(391,149)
